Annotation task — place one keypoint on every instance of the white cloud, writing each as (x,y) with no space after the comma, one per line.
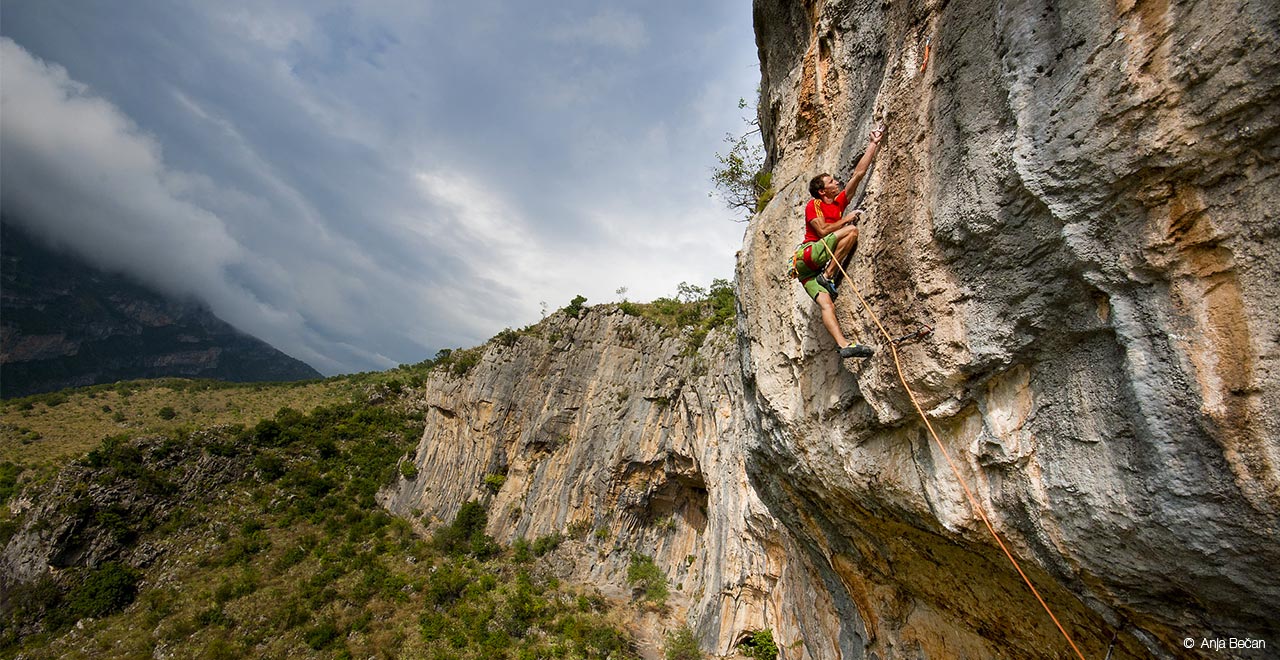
(79,172)
(358,184)
(77,169)
(610,28)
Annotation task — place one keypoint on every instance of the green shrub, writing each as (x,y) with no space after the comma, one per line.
(291,614)
(644,575)
(761,646)
(520,552)
(290,558)
(214,616)
(233,588)
(408,470)
(465,360)
(167,412)
(544,544)
(578,529)
(507,337)
(465,535)
(575,306)
(270,466)
(446,584)
(322,635)
(694,307)
(107,589)
(681,645)
(268,433)
(493,482)
(9,480)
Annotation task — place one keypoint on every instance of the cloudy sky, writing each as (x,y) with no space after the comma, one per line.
(362,184)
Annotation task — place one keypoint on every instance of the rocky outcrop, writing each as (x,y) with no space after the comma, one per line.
(619,436)
(101,508)
(1080,199)
(65,324)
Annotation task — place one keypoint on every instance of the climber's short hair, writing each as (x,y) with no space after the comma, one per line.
(816,184)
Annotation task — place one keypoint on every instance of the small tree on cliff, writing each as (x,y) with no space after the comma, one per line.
(741,180)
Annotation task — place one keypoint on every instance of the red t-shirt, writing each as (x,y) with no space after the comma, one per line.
(830,212)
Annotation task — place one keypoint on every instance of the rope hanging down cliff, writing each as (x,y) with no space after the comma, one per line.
(973,501)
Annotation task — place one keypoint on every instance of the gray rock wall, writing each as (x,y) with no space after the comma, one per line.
(613,428)
(1081,198)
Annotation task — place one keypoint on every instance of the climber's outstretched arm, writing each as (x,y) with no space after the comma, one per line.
(864,164)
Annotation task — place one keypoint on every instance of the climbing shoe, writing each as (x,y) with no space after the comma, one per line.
(856,351)
(828,285)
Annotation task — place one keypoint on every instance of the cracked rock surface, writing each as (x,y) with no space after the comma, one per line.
(1081,199)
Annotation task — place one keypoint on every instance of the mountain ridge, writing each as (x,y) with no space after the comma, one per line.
(67,324)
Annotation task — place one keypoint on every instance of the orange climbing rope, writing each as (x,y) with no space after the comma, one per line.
(973,501)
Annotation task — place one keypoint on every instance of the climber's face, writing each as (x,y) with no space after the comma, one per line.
(831,187)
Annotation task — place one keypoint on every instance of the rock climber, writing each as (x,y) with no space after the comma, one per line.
(830,235)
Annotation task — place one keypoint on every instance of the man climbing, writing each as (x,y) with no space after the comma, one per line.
(830,235)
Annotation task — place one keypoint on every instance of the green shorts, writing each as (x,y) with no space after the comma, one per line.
(810,259)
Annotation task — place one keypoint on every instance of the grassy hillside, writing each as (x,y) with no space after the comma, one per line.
(213,520)
(266,541)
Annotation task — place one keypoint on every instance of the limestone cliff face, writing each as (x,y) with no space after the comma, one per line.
(620,437)
(1081,198)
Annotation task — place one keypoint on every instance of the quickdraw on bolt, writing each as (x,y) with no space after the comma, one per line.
(920,332)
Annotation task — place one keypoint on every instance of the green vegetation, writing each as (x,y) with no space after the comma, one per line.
(575,306)
(544,544)
(742,180)
(457,362)
(761,646)
(493,482)
(8,481)
(260,498)
(465,535)
(681,645)
(286,553)
(578,529)
(700,309)
(648,579)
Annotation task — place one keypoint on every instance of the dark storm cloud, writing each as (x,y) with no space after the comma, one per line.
(360,185)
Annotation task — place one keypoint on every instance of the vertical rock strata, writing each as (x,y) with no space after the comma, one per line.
(625,439)
(1081,200)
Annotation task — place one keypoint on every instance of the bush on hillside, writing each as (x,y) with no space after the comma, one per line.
(681,645)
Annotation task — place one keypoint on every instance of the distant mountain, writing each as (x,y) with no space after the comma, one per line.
(64,323)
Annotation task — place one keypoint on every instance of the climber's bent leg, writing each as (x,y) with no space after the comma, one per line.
(846,239)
